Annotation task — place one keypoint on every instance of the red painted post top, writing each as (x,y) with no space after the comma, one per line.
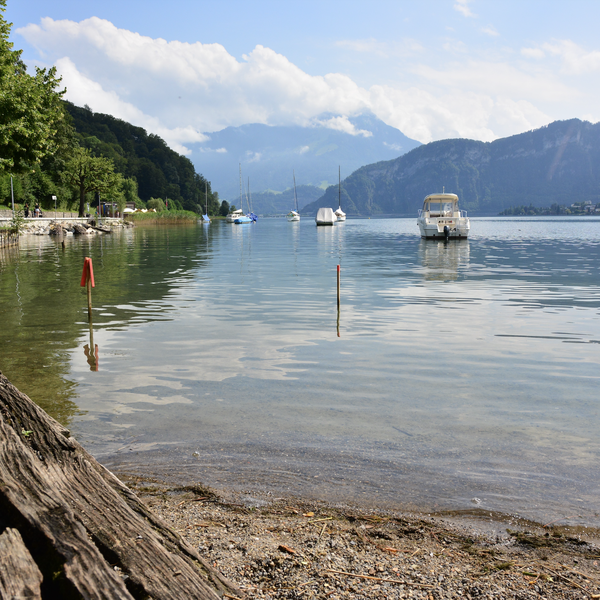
(88,272)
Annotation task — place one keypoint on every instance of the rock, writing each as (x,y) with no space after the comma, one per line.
(79,229)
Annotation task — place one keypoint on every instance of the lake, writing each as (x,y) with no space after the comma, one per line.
(462,376)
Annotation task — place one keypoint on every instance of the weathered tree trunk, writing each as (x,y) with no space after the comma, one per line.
(66,522)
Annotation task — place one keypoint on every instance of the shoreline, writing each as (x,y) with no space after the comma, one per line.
(289,547)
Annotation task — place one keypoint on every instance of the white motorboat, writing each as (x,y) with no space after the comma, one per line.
(325,216)
(294,215)
(236,214)
(339,213)
(440,218)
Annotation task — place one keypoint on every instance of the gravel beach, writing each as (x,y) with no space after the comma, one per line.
(285,548)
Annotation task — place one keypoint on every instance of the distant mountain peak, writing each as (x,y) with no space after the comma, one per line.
(268,153)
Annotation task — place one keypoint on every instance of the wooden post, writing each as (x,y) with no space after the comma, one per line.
(338,300)
(87,278)
(338,287)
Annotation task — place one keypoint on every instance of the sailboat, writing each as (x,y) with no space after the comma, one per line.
(250,215)
(294,215)
(242,218)
(205,217)
(339,213)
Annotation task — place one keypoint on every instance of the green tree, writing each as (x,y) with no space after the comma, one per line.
(224,210)
(30,108)
(157,204)
(90,173)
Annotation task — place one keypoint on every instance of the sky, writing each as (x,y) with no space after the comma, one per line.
(435,69)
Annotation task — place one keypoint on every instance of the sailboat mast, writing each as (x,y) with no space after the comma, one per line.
(206,197)
(340,186)
(295,196)
(248,197)
(241,204)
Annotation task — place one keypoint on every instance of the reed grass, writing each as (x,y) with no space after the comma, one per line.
(165,216)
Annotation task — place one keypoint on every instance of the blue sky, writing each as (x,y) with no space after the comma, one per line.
(434,69)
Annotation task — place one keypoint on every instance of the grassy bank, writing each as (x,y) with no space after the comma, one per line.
(165,216)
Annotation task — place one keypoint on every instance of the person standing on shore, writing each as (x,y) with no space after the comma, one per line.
(37,209)
(26,210)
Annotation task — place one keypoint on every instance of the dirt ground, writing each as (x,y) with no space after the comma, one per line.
(282,548)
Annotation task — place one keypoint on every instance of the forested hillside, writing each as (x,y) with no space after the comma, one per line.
(160,172)
(559,163)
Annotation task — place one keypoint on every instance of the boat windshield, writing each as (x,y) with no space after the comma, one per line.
(438,207)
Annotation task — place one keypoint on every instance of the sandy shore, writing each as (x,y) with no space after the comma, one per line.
(280,548)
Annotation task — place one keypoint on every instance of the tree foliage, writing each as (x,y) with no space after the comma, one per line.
(89,173)
(159,171)
(30,108)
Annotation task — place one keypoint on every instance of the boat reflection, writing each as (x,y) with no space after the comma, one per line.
(442,261)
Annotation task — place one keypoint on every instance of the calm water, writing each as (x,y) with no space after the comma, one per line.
(465,376)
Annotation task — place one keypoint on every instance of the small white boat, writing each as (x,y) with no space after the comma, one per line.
(243,219)
(325,216)
(339,213)
(294,215)
(205,217)
(440,218)
(236,214)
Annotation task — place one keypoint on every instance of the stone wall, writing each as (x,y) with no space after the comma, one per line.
(48,214)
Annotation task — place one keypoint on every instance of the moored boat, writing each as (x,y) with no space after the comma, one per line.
(294,214)
(440,218)
(232,216)
(325,216)
(339,213)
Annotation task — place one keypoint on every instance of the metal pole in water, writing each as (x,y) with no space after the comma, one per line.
(12,195)
(338,286)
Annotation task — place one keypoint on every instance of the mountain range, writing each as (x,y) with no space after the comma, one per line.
(558,163)
(268,154)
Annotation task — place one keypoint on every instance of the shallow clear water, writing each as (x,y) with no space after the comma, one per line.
(465,376)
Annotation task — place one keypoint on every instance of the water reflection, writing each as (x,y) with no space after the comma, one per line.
(92,356)
(44,308)
(442,260)
(221,341)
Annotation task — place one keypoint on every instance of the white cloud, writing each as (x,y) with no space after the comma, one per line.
(82,90)
(342,124)
(396,147)
(536,53)
(462,6)
(498,78)
(405,47)
(221,150)
(176,89)
(253,156)
(304,150)
(490,31)
(575,59)
(455,47)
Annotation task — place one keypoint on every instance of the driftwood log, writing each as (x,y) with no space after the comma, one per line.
(70,529)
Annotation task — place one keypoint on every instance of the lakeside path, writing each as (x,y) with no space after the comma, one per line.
(281,548)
